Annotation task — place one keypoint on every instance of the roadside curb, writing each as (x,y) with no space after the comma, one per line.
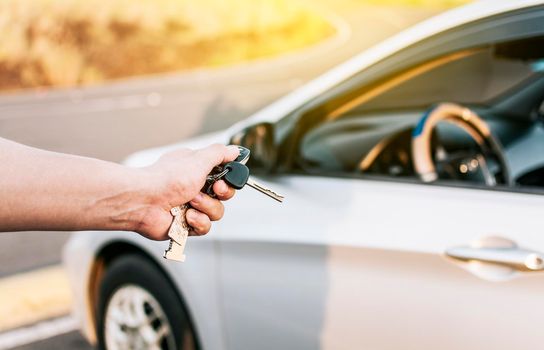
(34,296)
(37,332)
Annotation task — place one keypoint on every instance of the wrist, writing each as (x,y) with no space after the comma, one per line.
(129,205)
(146,206)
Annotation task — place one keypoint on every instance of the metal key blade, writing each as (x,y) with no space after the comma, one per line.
(250,182)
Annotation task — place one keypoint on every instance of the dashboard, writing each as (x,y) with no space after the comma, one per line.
(381,144)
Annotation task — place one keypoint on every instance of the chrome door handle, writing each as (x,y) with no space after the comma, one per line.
(513,257)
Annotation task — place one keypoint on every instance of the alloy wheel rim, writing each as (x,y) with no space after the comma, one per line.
(135,320)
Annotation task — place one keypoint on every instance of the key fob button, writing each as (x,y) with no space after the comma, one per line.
(243,157)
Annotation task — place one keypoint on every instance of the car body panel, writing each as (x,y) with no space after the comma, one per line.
(367,260)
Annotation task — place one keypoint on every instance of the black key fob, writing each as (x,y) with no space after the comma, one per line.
(218,171)
(237,175)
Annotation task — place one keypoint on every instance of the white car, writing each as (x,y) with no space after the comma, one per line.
(413,176)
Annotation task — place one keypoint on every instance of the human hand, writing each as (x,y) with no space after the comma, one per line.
(177,178)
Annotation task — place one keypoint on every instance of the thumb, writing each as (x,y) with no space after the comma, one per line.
(217,154)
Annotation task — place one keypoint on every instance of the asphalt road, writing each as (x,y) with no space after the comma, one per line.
(72,340)
(112,121)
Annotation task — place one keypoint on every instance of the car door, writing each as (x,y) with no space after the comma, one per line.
(353,264)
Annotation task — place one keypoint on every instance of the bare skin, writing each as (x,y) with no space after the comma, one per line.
(41,190)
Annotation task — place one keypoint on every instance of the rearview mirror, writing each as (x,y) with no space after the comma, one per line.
(259,139)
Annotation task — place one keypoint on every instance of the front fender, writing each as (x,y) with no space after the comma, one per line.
(196,280)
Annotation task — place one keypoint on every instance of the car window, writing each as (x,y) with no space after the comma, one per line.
(490,75)
(474,76)
(373,132)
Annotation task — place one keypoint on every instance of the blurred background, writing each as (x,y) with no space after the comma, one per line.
(107,78)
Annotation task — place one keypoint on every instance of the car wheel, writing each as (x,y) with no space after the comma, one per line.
(138,308)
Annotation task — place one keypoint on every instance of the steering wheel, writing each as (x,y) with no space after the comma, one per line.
(463,165)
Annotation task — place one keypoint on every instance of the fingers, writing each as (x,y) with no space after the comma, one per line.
(200,222)
(223,191)
(206,209)
(217,154)
(211,207)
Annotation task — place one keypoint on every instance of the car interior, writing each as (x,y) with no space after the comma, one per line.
(473,117)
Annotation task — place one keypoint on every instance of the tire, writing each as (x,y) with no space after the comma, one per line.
(136,302)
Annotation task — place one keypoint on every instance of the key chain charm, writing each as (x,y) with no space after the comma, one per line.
(178,233)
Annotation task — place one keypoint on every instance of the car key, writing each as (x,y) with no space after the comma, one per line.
(179,230)
(238,176)
(219,171)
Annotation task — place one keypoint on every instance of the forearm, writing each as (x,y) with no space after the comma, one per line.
(51,191)
(42,190)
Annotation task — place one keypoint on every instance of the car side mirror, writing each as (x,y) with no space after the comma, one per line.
(259,139)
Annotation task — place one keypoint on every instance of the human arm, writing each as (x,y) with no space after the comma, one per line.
(41,190)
